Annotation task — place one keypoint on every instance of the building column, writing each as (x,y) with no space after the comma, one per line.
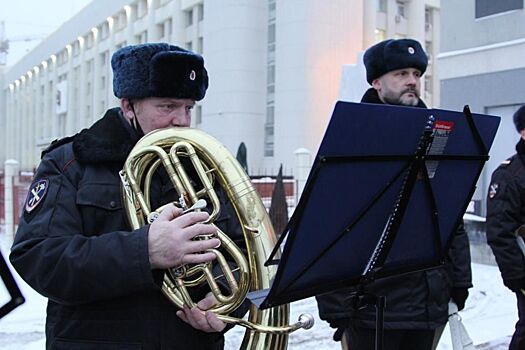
(177,25)
(303,164)
(109,72)
(54,115)
(70,87)
(82,117)
(24,118)
(130,15)
(416,20)
(11,171)
(369,23)
(46,113)
(152,33)
(95,102)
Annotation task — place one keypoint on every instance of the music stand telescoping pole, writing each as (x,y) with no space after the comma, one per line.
(415,167)
(401,179)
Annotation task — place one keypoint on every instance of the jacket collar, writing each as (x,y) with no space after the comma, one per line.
(110,139)
(520,148)
(371,96)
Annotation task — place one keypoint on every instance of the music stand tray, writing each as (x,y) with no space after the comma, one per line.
(16,296)
(387,189)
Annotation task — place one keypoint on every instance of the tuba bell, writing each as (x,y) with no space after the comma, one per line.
(174,149)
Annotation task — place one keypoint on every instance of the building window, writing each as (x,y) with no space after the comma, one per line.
(428,84)
(121,45)
(490,7)
(268,139)
(381,5)
(189,46)
(104,30)
(188,17)
(49,65)
(400,9)
(164,28)
(62,58)
(428,19)
(271,33)
(271,75)
(200,46)
(201,12)
(88,112)
(104,57)
(428,50)
(142,38)
(76,48)
(270,82)
(198,114)
(121,21)
(90,40)
(142,8)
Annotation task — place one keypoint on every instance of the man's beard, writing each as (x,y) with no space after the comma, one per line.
(402,98)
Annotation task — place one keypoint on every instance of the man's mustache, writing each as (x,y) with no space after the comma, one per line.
(413,91)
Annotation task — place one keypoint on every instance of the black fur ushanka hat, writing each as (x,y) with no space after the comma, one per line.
(393,54)
(158,70)
(519,118)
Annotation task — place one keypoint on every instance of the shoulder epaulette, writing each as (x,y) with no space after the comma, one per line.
(507,162)
(56,143)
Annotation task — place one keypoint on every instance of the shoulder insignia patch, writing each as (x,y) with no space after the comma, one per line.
(36,194)
(493,190)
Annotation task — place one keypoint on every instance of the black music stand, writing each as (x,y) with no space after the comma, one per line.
(16,296)
(387,190)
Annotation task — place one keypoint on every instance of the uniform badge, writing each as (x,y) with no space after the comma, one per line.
(493,190)
(36,194)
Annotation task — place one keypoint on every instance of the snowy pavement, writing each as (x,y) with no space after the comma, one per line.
(489,316)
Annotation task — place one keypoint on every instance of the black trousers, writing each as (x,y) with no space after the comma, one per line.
(518,339)
(393,339)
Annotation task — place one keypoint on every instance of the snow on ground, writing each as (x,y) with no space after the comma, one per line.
(489,316)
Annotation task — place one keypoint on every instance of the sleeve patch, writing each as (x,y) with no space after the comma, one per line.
(36,194)
(493,189)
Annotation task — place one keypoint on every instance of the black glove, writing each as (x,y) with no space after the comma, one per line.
(341,324)
(459,296)
(514,284)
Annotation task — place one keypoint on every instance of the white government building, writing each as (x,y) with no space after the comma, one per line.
(275,67)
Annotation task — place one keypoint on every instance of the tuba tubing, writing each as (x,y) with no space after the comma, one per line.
(266,329)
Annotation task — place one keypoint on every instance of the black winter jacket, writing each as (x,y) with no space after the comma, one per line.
(417,300)
(505,213)
(74,246)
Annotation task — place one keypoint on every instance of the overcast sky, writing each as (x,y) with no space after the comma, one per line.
(33,18)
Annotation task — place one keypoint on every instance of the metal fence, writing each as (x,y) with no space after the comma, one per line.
(263,184)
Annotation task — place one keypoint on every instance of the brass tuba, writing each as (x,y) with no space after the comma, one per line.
(266,329)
